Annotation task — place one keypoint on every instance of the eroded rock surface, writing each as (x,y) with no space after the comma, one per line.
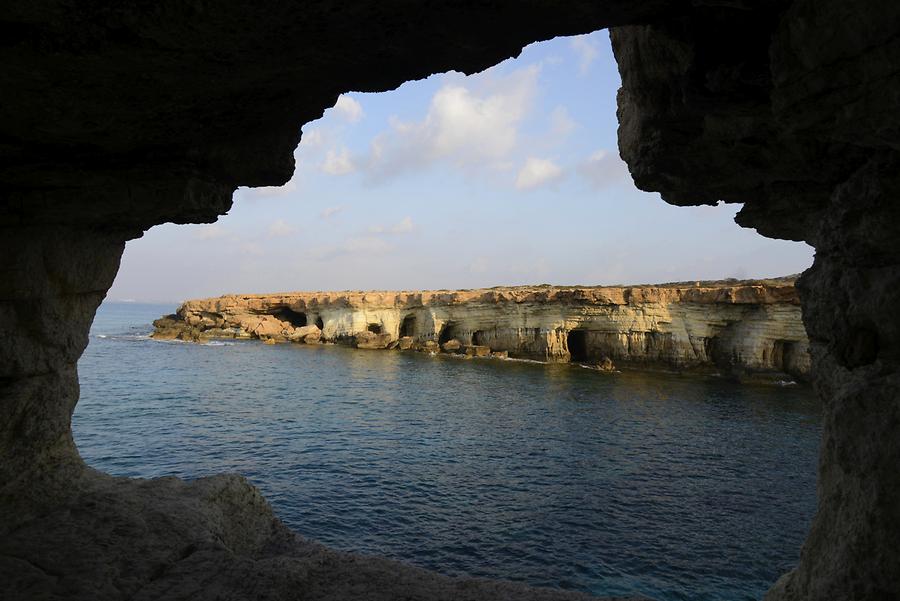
(740,328)
(211,539)
(117,117)
(790,107)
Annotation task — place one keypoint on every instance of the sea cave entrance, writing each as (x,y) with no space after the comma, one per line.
(448,332)
(375,328)
(295,318)
(408,326)
(783,355)
(576,342)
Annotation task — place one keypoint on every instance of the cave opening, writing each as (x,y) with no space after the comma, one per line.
(783,355)
(478,338)
(319,323)
(448,332)
(375,328)
(408,326)
(295,318)
(576,342)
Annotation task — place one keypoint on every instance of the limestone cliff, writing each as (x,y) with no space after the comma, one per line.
(737,327)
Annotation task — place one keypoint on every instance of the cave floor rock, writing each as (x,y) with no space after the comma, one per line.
(94,536)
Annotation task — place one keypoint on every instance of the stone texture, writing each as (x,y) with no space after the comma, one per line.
(451,346)
(789,107)
(475,350)
(310,334)
(430,346)
(371,340)
(211,539)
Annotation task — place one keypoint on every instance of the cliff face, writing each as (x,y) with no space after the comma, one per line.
(734,327)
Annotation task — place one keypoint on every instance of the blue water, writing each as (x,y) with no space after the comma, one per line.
(669,486)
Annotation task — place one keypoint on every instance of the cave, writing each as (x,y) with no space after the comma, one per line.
(783,355)
(319,323)
(478,338)
(375,328)
(449,331)
(577,343)
(116,119)
(408,326)
(295,318)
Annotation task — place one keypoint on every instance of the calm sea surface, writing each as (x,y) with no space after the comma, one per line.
(669,486)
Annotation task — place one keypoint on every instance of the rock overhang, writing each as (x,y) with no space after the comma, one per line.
(116,118)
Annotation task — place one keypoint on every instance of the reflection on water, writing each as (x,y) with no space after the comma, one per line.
(667,486)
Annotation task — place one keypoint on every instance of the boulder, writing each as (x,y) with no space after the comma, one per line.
(477,350)
(429,346)
(371,340)
(451,346)
(406,343)
(168,327)
(308,334)
(605,364)
(265,326)
(500,354)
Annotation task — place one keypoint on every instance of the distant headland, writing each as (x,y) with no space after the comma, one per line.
(736,327)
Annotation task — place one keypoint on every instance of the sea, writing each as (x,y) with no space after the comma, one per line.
(664,485)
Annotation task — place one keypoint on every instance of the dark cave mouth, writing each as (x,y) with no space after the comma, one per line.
(408,326)
(295,318)
(576,342)
(448,332)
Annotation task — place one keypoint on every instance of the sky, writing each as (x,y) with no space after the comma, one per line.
(510,176)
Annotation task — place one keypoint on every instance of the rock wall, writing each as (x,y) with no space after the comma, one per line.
(738,327)
(117,117)
(790,108)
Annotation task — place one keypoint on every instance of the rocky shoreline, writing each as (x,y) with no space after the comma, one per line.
(738,328)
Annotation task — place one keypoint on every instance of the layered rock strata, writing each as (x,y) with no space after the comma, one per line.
(737,327)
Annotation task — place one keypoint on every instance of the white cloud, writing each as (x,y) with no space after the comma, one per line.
(586,49)
(404,226)
(280,228)
(330,212)
(468,126)
(348,108)
(312,138)
(338,163)
(537,172)
(561,124)
(603,169)
(210,232)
